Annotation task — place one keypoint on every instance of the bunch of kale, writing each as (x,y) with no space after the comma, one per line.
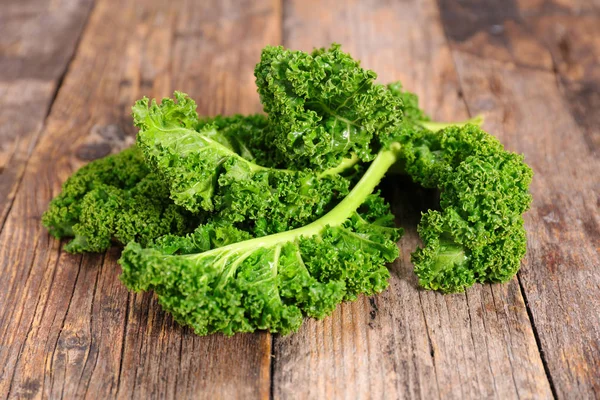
(252,222)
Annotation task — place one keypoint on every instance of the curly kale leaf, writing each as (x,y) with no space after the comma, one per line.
(114,198)
(123,170)
(323,105)
(478,234)
(205,172)
(219,280)
(245,135)
(410,104)
(272,201)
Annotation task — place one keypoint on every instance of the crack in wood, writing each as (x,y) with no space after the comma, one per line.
(91,332)
(537,339)
(430,344)
(62,325)
(125,328)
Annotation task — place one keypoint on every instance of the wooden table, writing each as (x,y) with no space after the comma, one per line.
(70,71)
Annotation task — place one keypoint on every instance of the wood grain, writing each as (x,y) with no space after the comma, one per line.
(68,327)
(37,41)
(537,79)
(407,342)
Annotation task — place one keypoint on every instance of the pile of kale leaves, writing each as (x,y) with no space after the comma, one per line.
(240,223)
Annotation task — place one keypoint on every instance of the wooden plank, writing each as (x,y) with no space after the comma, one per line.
(37,41)
(571,36)
(406,342)
(68,328)
(541,94)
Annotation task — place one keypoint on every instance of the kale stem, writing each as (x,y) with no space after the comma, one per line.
(371,178)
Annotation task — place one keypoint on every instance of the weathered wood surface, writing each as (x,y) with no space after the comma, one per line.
(68,329)
(537,77)
(37,40)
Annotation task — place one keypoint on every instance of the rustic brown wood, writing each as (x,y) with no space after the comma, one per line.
(68,328)
(37,41)
(537,77)
(406,342)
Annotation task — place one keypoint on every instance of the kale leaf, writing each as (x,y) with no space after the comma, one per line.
(115,198)
(219,280)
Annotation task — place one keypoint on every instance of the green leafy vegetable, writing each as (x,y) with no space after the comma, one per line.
(240,223)
(206,173)
(478,234)
(218,280)
(244,135)
(115,198)
(412,113)
(323,106)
